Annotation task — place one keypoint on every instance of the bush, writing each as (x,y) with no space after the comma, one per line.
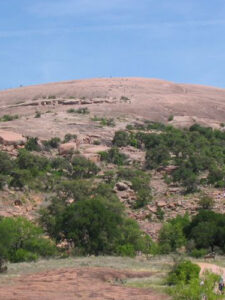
(206,202)
(126,250)
(81,110)
(68,137)
(41,246)
(21,240)
(198,253)
(114,156)
(37,114)
(121,139)
(170,118)
(53,143)
(83,168)
(7,118)
(32,144)
(183,272)
(23,255)
(6,164)
(195,291)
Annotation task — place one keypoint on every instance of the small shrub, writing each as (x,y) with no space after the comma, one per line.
(124,98)
(170,118)
(7,118)
(114,156)
(184,271)
(37,114)
(52,143)
(121,139)
(198,253)
(52,97)
(108,122)
(83,168)
(206,202)
(160,213)
(40,246)
(126,250)
(81,110)
(23,255)
(68,137)
(32,144)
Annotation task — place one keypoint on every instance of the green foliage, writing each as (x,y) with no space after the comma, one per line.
(32,144)
(41,246)
(80,110)
(171,235)
(121,139)
(21,255)
(140,183)
(196,291)
(198,253)
(114,156)
(157,156)
(68,137)
(52,97)
(124,98)
(7,118)
(21,240)
(104,121)
(37,114)
(6,164)
(53,143)
(126,250)
(83,168)
(183,272)
(160,213)
(170,118)
(95,223)
(207,229)
(206,202)
(192,151)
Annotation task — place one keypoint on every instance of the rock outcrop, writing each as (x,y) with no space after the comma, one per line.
(11,138)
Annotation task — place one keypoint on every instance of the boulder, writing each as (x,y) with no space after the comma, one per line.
(11,138)
(67,148)
(161,203)
(122,186)
(94,157)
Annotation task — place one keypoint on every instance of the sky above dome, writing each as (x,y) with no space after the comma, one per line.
(53,40)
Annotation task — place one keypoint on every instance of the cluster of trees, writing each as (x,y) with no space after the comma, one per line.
(40,172)
(203,233)
(95,223)
(192,150)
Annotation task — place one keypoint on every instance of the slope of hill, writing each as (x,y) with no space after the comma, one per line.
(134,97)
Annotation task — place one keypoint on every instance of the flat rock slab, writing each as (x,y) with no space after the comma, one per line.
(11,138)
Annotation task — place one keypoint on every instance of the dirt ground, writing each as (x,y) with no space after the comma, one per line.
(79,283)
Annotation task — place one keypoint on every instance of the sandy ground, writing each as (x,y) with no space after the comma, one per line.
(81,283)
(213,268)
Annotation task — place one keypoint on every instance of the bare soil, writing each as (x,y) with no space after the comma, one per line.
(79,283)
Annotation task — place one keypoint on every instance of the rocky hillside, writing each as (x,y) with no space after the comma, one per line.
(89,112)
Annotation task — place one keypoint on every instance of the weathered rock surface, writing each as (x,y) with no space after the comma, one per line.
(11,138)
(67,148)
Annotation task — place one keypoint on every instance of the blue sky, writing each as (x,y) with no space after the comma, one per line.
(52,40)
